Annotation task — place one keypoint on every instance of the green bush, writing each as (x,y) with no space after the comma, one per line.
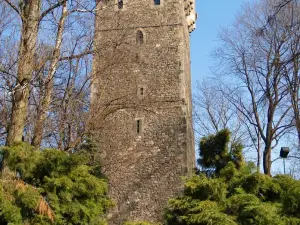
(203,188)
(261,185)
(291,200)
(188,211)
(237,196)
(237,203)
(260,214)
(51,185)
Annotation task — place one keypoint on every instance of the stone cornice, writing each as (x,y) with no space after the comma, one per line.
(190,14)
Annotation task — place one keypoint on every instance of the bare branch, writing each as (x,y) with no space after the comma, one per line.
(51,8)
(13,7)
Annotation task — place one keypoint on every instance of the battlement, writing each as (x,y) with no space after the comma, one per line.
(190,13)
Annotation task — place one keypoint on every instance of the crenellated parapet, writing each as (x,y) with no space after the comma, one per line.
(190,14)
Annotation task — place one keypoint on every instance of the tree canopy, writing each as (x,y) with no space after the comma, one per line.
(51,187)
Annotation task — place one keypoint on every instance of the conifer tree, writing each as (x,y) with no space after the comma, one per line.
(237,196)
(215,152)
(51,187)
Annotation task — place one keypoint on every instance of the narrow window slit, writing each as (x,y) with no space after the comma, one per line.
(120,4)
(139,37)
(156,2)
(138,126)
(137,57)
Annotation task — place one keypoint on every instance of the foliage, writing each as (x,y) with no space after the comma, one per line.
(51,186)
(215,153)
(291,199)
(236,196)
(203,188)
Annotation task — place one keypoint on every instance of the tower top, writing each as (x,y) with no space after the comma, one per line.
(187,7)
(190,13)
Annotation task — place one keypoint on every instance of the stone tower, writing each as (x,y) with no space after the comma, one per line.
(141,102)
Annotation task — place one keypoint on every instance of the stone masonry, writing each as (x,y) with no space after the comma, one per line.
(141,103)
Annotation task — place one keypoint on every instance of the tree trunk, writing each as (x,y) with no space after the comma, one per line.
(29,33)
(297,122)
(46,99)
(258,153)
(267,160)
(294,92)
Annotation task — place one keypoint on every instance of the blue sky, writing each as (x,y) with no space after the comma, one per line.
(212,15)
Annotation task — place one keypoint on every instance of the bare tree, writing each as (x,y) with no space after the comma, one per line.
(258,91)
(213,112)
(7,59)
(30,85)
(291,14)
(287,12)
(46,99)
(30,14)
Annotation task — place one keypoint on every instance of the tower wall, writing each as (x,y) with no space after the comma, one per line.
(141,105)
